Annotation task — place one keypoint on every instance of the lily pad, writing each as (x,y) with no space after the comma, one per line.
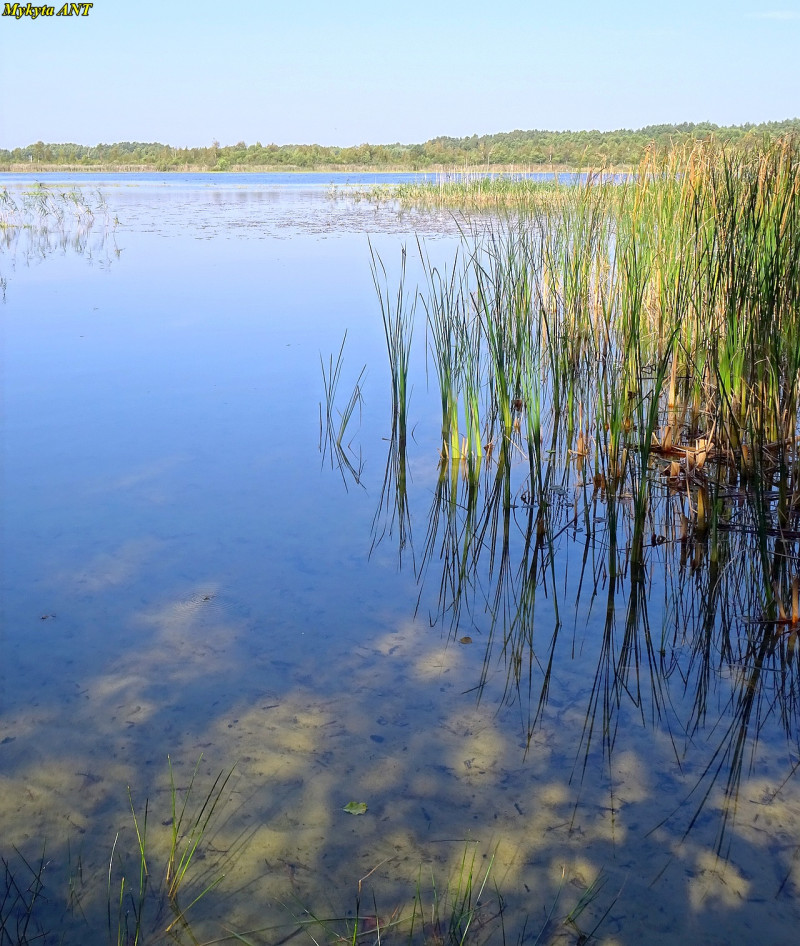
(355,807)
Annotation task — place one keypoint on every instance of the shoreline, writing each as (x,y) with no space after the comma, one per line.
(320,169)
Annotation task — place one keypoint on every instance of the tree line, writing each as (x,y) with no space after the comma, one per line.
(561,148)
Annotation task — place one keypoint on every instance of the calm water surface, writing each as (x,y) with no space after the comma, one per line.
(186,574)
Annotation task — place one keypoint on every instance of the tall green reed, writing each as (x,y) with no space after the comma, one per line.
(444,308)
(398,326)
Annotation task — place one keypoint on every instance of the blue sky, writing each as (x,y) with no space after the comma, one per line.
(351,71)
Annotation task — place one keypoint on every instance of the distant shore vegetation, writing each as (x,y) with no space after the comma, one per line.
(572,149)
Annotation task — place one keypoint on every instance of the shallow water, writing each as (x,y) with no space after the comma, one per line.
(186,575)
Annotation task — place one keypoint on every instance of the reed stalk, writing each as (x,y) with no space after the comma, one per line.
(398,326)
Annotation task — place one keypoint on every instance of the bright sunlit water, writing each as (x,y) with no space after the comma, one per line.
(186,574)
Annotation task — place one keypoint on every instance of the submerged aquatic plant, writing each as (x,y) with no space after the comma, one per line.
(42,900)
(458,914)
(138,908)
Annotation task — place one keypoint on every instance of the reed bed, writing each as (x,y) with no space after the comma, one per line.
(477,189)
(43,220)
(43,207)
(643,329)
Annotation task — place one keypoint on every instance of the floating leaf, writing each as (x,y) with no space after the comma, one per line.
(355,807)
(465,640)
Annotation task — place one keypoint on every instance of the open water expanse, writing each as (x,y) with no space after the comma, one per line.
(190,573)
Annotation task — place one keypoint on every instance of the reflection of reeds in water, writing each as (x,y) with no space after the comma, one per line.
(21,894)
(332,433)
(393,509)
(497,570)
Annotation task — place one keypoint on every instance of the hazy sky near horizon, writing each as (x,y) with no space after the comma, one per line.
(345,72)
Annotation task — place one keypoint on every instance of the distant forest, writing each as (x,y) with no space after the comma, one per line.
(525,148)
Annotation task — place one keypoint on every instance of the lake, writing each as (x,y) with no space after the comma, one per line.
(195,579)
